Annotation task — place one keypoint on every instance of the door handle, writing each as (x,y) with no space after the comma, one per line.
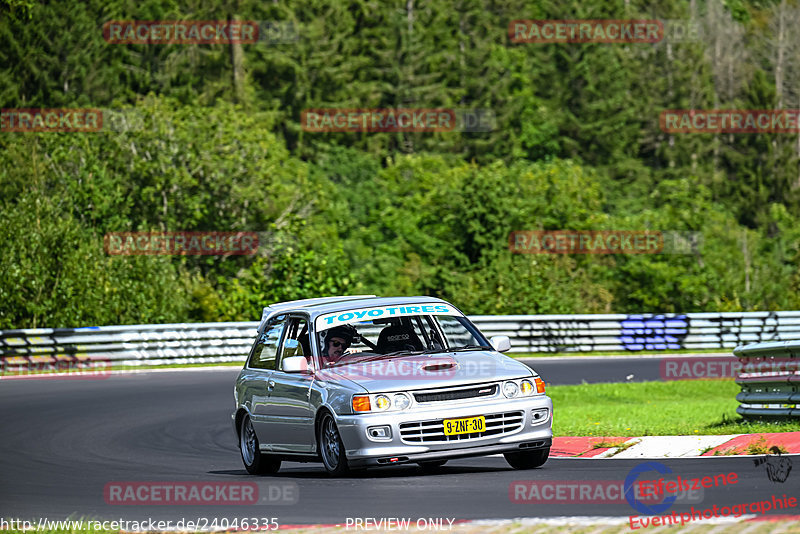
(270,384)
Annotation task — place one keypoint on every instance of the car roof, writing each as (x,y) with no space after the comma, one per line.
(318,306)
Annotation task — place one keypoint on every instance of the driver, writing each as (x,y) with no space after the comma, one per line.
(337,341)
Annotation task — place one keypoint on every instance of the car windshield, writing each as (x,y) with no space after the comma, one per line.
(360,341)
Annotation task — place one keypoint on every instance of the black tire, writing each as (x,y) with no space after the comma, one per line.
(256,462)
(432,466)
(331,447)
(527,459)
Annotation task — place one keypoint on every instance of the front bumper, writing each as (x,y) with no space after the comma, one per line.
(363,450)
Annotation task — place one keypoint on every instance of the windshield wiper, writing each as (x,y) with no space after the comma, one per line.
(390,354)
(395,353)
(470,347)
(347,361)
(370,359)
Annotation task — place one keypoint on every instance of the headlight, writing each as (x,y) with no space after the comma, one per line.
(510,389)
(382,402)
(523,387)
(401,401)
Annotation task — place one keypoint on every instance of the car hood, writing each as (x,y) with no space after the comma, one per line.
(425,371)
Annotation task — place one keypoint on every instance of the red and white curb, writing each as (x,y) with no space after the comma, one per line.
(670,446)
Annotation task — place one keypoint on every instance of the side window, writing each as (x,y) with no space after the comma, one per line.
(267,348)
(296,342)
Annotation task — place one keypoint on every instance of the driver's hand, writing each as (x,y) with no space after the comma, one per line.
(330,360)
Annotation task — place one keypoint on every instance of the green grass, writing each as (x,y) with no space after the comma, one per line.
(683,407)
(617,353)
(178,365)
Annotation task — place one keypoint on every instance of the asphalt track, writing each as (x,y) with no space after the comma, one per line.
(63,441)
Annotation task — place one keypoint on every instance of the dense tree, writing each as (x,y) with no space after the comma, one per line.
(213,141)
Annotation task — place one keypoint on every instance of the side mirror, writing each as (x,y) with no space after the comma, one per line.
(294,364)
(500,343)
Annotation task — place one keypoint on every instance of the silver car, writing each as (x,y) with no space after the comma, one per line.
(362,381)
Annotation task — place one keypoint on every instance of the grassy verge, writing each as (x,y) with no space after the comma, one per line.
(685,407)
(238,364)
(616,353)
(145,366)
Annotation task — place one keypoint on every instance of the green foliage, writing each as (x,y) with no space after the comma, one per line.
(577,146)
(20,9)
(55,273)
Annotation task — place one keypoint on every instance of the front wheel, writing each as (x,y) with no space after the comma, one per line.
(331,447)
(256,462)
(527,459)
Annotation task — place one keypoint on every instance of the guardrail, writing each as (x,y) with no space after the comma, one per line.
(127,345)
(770,385)
(223,342)
(770,380)
(623,332)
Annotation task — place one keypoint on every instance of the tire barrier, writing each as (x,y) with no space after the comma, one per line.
(769,378)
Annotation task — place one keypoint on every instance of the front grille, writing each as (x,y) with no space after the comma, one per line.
(456,394)
(433,431)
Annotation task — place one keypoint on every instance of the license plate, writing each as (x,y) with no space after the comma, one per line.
(468,425)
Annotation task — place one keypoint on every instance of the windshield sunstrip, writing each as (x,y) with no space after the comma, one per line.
(330,320)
